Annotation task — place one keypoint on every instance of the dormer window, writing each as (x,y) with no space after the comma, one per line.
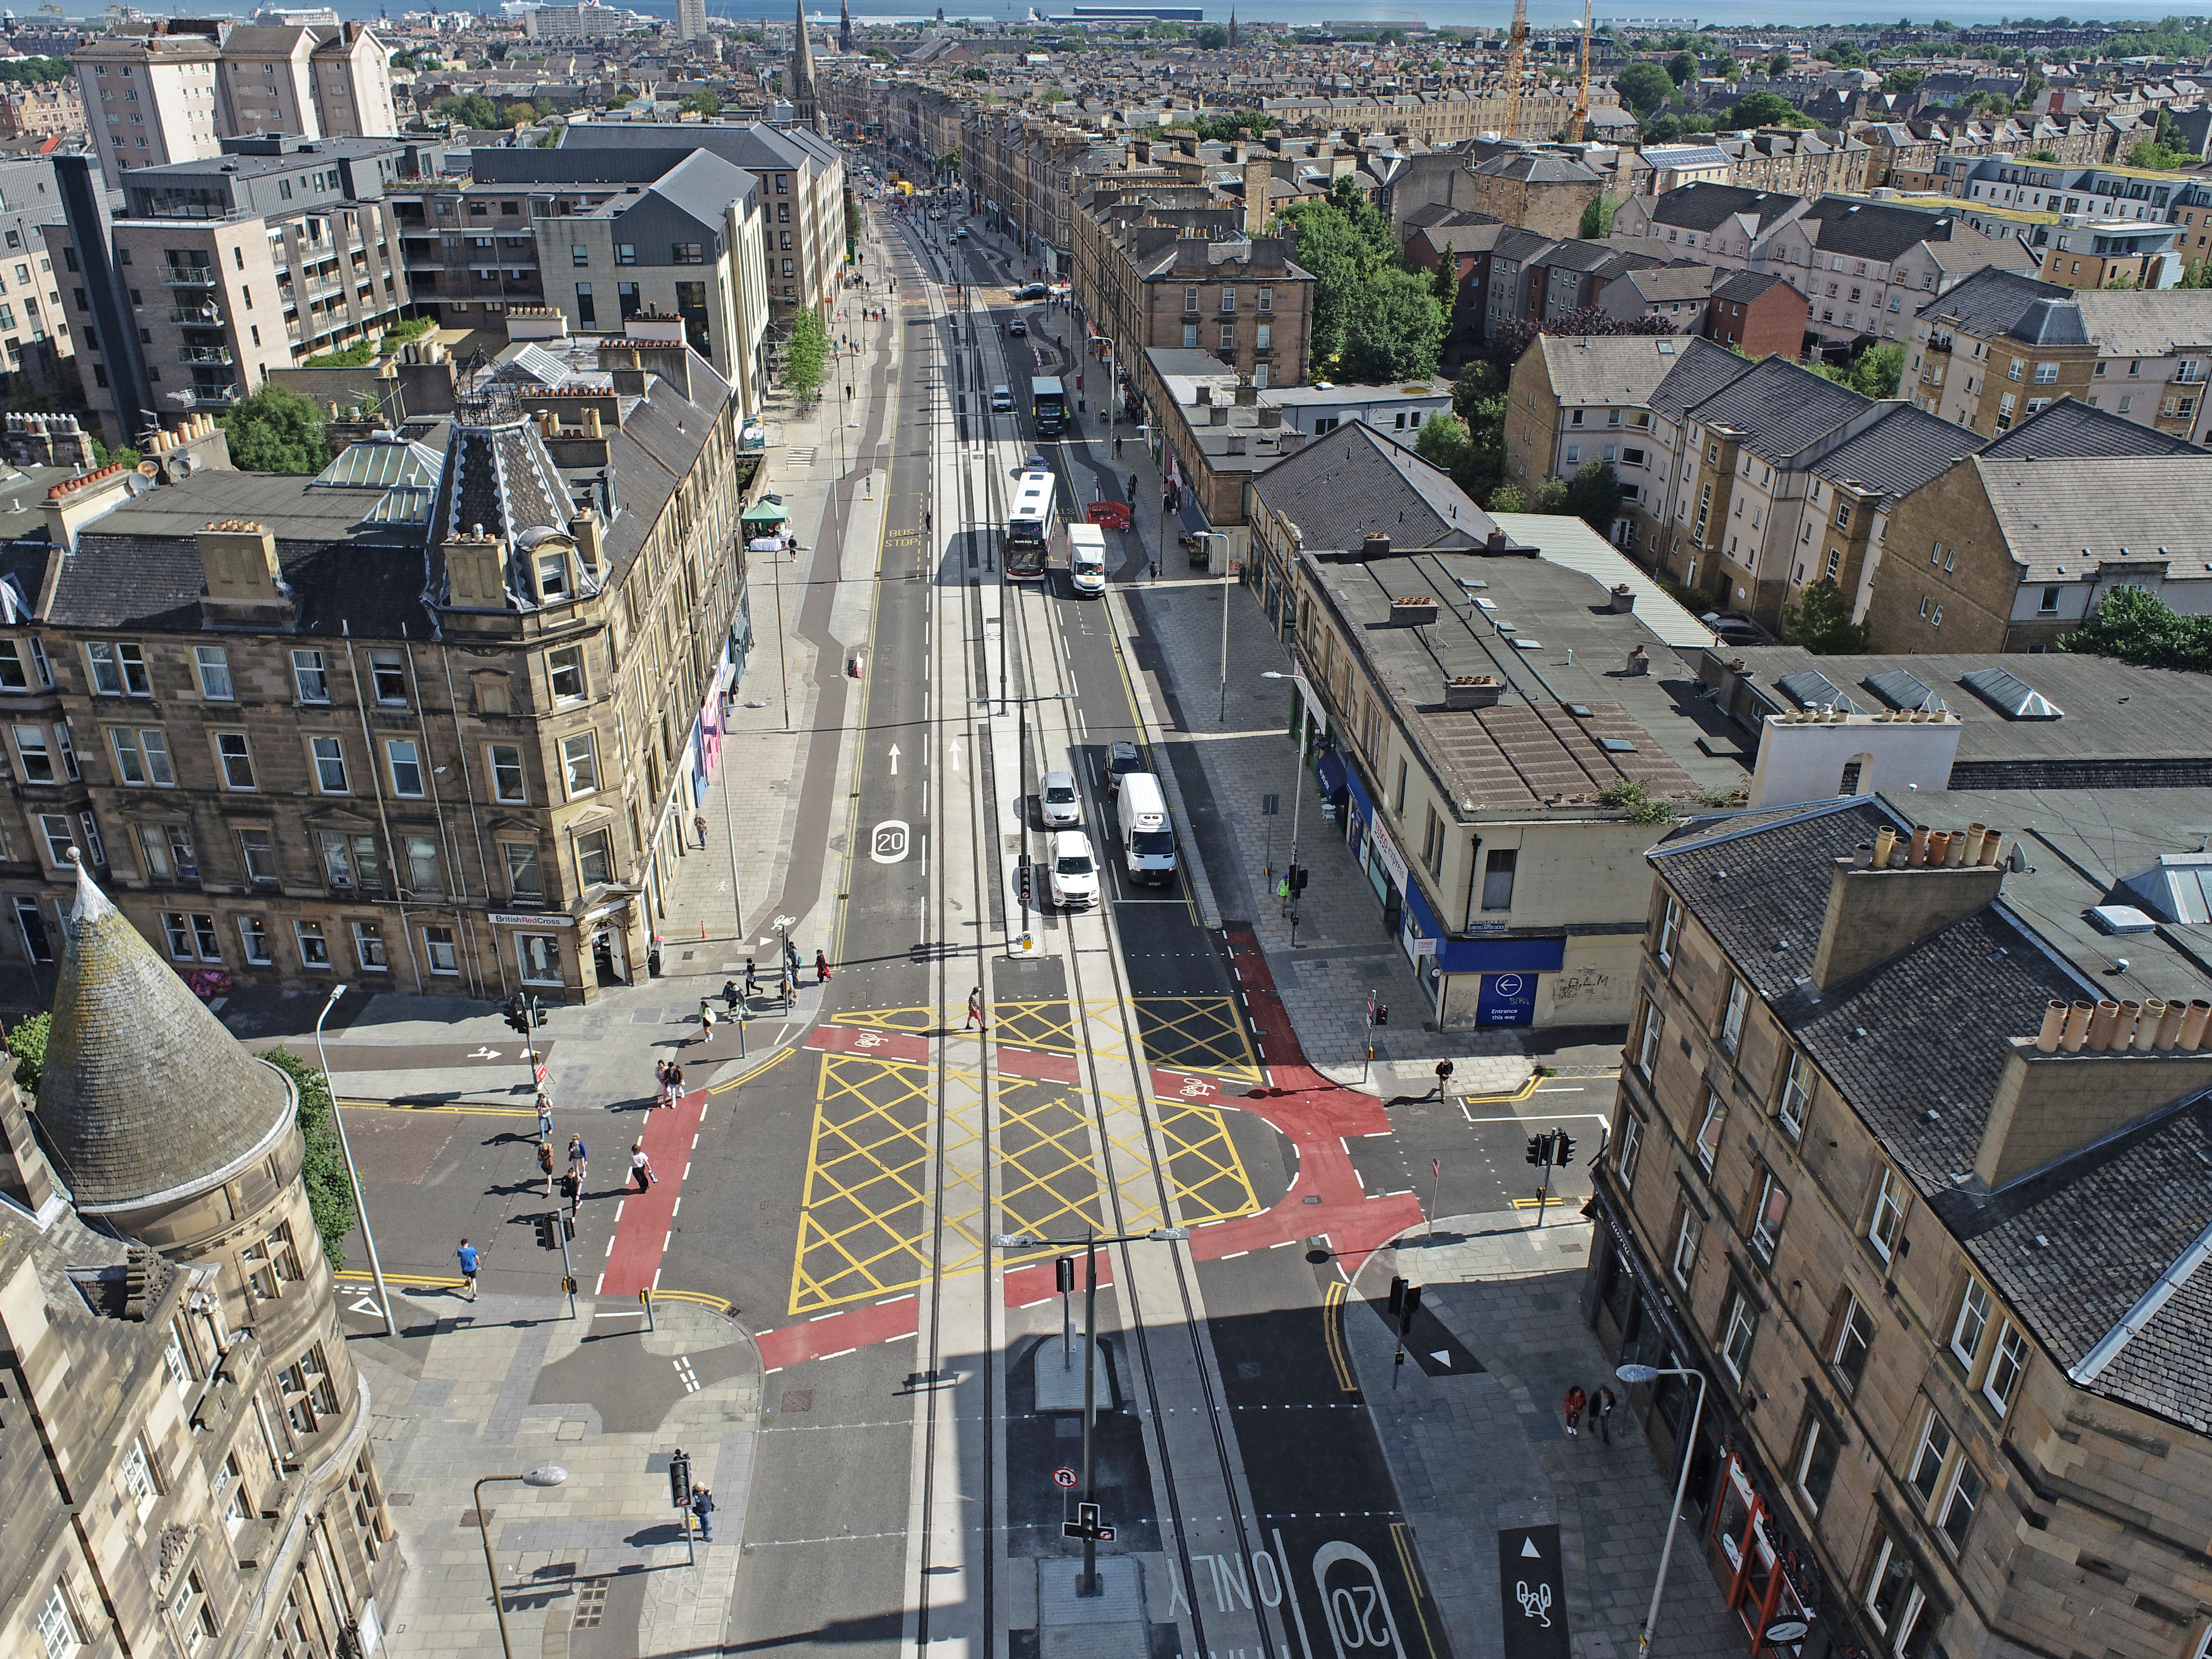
(552,576)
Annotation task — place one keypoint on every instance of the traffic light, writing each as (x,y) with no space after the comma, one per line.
(1382,1013)
(1413,1305)
(1298,880)
(1538,1153)
(548,1238)
(1564,1148)
(1063,1274)
(516,1019)
(1398,1289)
(537,1011)
(679,1480)
(568,1225)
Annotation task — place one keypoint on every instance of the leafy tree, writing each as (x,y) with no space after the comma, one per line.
(27,1043)
(1877,372)
(807,356)
(1478,383)
(1821,620)
(705,102)
(1221,128)
(2165,151)
(322,1171)
(1903,79)
(1444,441)
(1764,109)
(1552,498)
(1052,95)
(1643,86)
(1778,65)
(471,110)
(36,71)
(973,73)
(1597,217)
(1212,36)
(2043,156)
(1393,329)
(1329,248)
(519,114)
(1594,495)
(2132,624)
(1665,129)
(1844,55)
(1444,284)
(948,163)
(276,431)
(1508,498)
(1683,68)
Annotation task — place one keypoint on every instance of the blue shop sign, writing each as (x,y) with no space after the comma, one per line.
(1506,999)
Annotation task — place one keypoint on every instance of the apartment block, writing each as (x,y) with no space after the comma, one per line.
(1917,1262)
(315,83)
(151,99)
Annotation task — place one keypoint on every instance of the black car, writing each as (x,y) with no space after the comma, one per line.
(1031,291)
(1734,630)
(1121,759)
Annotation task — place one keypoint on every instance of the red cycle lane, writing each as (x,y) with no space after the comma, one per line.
(642,1227)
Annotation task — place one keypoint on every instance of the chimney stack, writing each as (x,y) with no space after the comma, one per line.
(1876,912)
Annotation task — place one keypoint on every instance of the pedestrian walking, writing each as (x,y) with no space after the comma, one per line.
(675,1085)
(579,1159)
(699,823)
(752,977)
(1601,1412)
(545,1165)
(705,1020)
(1573,1407)
(1132,492)
(641,1166)
(545,1117)
(660,1080)
(467,1254)
(821,969)
(1118,442)
(572,1190)
(702,1505)
(790,954)
(974,1011)
(730,995)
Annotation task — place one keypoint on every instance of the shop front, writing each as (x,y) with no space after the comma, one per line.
(1376,853)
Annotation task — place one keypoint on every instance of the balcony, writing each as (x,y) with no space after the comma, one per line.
(221,355)
(214,397)
(1940,342)
(208,315)
(189,277)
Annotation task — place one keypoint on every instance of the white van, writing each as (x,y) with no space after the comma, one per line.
(1148,849)
(1002,400)
(1086,560)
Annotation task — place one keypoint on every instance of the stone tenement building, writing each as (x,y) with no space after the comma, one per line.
(433,718)
(185,1465)
(1918,1180)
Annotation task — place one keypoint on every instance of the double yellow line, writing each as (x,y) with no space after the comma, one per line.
(1333,1302)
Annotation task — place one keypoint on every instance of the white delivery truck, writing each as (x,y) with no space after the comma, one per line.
(1086,559)
(1148,847)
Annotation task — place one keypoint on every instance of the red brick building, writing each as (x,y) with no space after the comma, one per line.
(1757,314)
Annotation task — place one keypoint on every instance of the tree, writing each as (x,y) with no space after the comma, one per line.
(1877,372)
(1478,383)
(276,431)
(1444,441)
(1903,79)
(1507,342)
(322,1171)
(1552,498)
(2136,626)
(36,71)
(948,163)
(1764,109)
(517,114)
(1597,217)
(1212,36)
(1778,65)
(1508,498)
(1443,284)
(471,110)
(1821,620)
(1594,495)
(1393,329)
(807,355)
(1683,68)
(1844,55)
(27,1043)
(705,102)
(1643,86)
(1665,129)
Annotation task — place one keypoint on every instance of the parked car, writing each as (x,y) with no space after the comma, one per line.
(1121,759)
(1734,630)
(1056,796)
(1031,291)
(1074,876)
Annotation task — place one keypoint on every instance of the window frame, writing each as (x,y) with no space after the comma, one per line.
(1796,1068)
(1670,931)
(1630,1152)
(1688,1236)
(1738,1333)
(1817,1434)
(1765,1236)
(1947,1512)
(494,770)
(2010,1354)
(1893,1199)
(233,748)
(1735,1013)
(414,762)
(211,669)
(321,672)
(1708,1156)
(1655,1032)
(1848,1333)
(317,762)
(570,767)
(1975,1302)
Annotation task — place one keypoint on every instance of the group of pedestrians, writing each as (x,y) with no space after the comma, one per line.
(1597,1408)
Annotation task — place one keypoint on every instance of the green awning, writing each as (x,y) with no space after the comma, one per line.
(765,512)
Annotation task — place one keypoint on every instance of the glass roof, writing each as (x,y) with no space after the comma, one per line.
(379,464)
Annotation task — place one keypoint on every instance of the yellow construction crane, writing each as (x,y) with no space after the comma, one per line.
(1516,53)
(1578,129)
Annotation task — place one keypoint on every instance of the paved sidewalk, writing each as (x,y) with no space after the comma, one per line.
(1471,1454)
(596,1568)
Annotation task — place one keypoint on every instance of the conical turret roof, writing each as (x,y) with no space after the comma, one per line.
(145,1098)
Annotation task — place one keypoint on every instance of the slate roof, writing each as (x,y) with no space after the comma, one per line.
(1706,206)
(1744,286)
(2061,515)
(1779,409)
(1537,169)
(1700,369)
(2145,323)
(1990,301)
(1347,483)
(143,1096)
(2069,427)
(1901,452)
(1872,230)
(1626,368)
(1673,283)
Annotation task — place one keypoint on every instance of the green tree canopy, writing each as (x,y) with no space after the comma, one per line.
(1903,79)
(807,358)
(322,1171)
(1844,55)
(1820,619)
(1876,373)
(1778,65)
(1665,129)
(1764,109)
(27,1044)
(1212,36)
(1683,68)
(1643,86)
(1393,329)
(36,71)
(1444,441)
(471,110)
(1478,383)
(1597,217)
(276,431)
(705,102)
(2136,626)
(1594,495)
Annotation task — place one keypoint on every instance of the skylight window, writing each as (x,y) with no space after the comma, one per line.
(2011,696)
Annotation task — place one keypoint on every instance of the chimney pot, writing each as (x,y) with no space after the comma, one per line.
(2076,1029)
(2192,1024)
(1884,839)
(2169,1024)
(2054,1018)
(2154,1014)
(1992,848)
(2124,1028)
(1975,832)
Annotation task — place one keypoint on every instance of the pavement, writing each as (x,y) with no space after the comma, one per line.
(1478,1453)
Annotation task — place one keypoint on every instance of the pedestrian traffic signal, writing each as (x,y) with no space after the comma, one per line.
(1398,1289)
(537,1011)
(1564,1148)
(679,1480)
(1063,1274)
(1382,1013)
(1298,880)
(568,1225)
(547,1239)
(1413,1305)
(1538,1153)
(568,1286)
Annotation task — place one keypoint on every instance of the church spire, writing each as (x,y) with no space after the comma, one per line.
(844,26)
(802,74)
(1232,28)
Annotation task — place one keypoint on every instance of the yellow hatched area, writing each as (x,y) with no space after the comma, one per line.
(865,1218)
(1050,1027)
(916,1020)
(1197,1034)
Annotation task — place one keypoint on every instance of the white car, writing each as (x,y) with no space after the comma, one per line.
(1058,798)
(1074,871)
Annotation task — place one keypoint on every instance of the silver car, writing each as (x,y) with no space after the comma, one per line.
(1061,806)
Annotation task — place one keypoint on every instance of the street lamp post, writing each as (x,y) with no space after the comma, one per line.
(549,1475)
(1633,1374)
(1092,1239)
(1297,790)
(353,1179)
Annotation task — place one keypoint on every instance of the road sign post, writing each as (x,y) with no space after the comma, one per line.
(1435,1179)
(564,1228)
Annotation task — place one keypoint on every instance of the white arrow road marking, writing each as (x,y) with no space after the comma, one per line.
(483,1053)
(1441,1356)
(367,1304)
(955,748)
(894,760)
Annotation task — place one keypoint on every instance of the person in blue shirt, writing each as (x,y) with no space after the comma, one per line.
(467,1254)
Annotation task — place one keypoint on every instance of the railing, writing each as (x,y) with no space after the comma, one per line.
(217,395)
(206,355)
(190,276)
(1941,342)
(200,316)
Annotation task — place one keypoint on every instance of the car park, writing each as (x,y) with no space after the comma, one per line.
(1072,874)
(1057,799)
